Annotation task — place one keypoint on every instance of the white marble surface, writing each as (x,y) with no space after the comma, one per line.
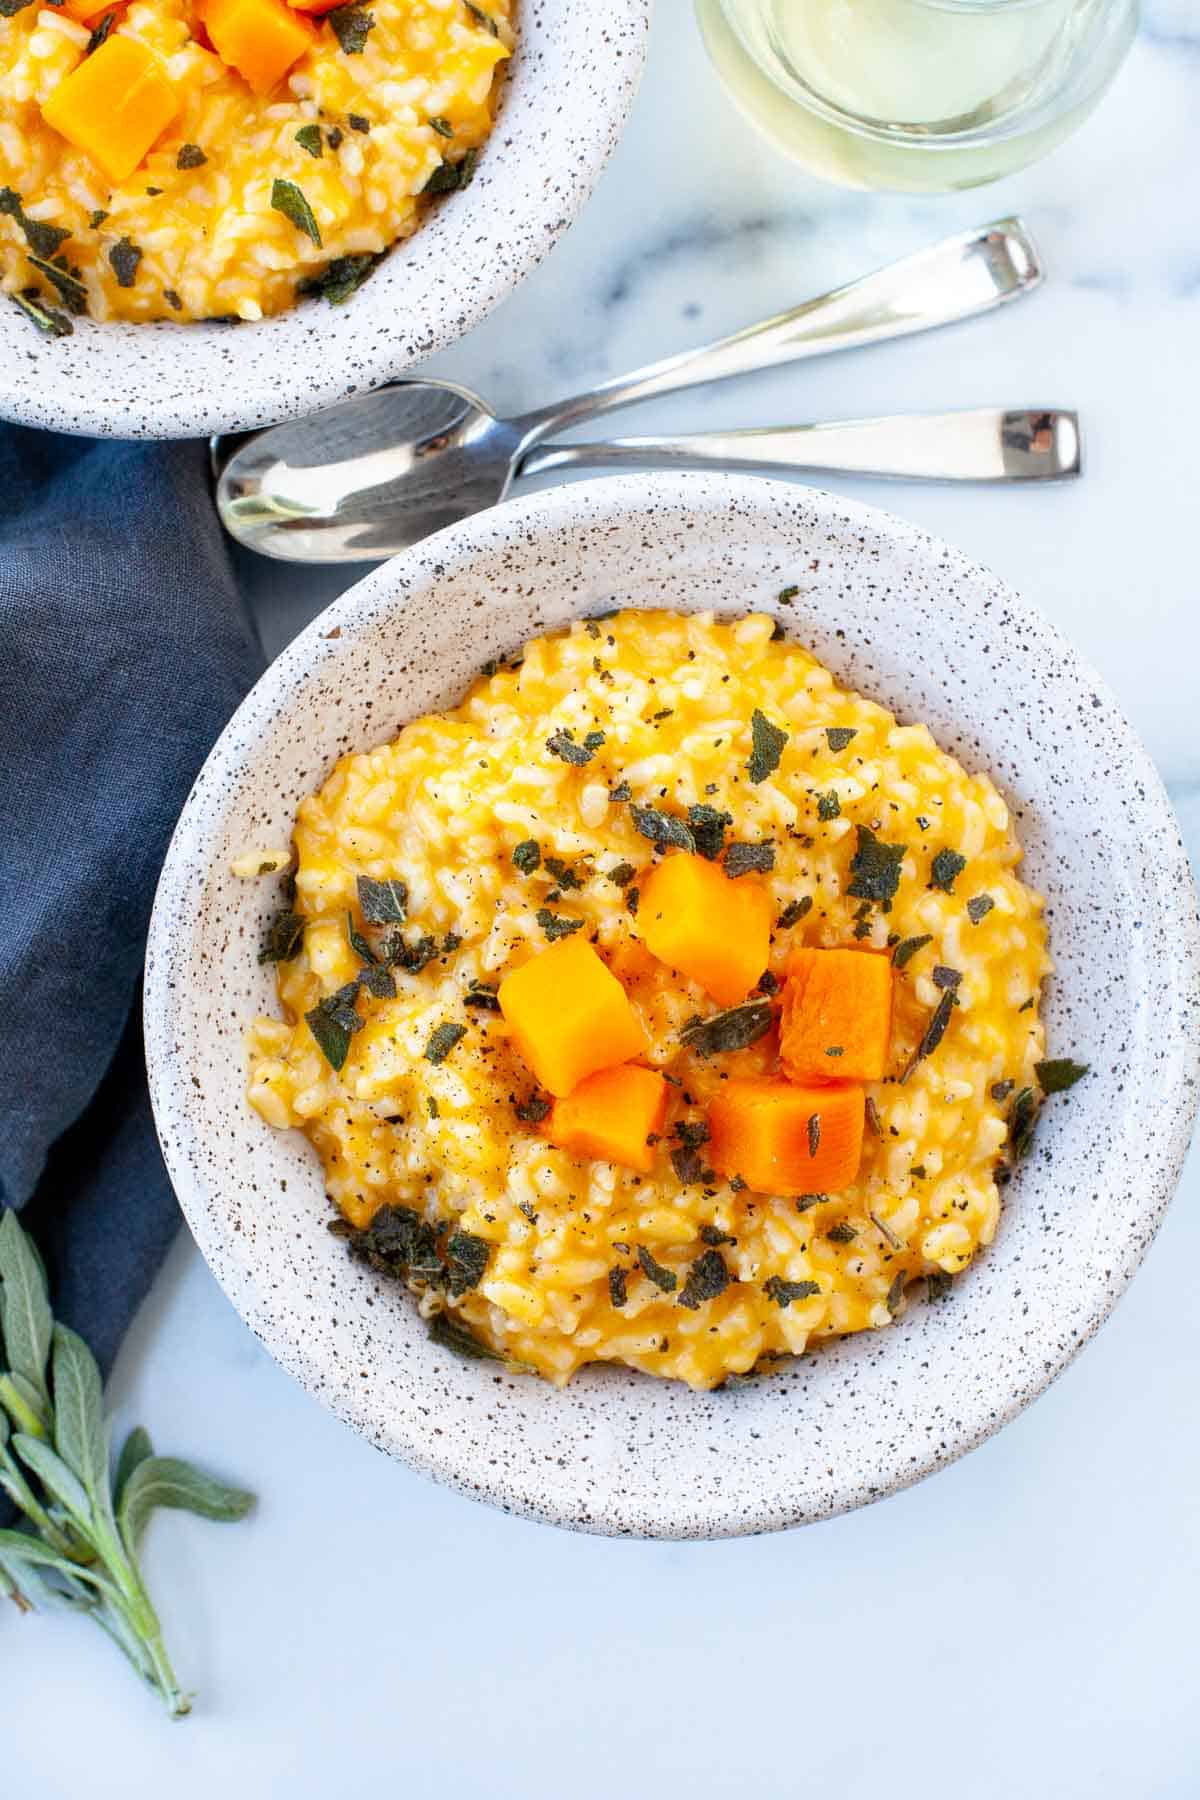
(1024,1622)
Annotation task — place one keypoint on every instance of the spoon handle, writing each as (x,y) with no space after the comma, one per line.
(963,275)
(984,444)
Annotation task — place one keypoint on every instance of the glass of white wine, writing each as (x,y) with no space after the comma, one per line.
(918,95)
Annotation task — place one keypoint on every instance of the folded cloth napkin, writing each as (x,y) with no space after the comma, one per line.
(124,647)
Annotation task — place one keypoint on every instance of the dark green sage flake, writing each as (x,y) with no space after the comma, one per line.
(533,1110)
(979,908)
(47,318)
(431,1106)
(688,1165)
(748,859)
(767,983)
(285,938)
(806,1202)
(97,219)
(397,1242)
(665,830)
(737,1184)
(873,1119)
(786,595)
(351,27)
(691,1131)
(443,127)
(467,1260)
(72,293)
(450,943)
(875,869)
(358,942)
(943,977)
(622,875)
(98,37)
(190,156)
(828,807)
(842,1233)
(411,957)
(562,744)
(840,736)
(633,898)
(449,176)
(340,278)
(733,1029)
(895,1293)
(482,18)
(335,135)
(451,1334)
(287,198)
(918,1171)
(938,1285)
(442,1040)
(482,996)
(563,874)
(814,1133)
(382,902)
(527,855)
(172,299)
(666,1279)
(556,925)
(784,1292)
(1059,1074)
(904,953)
(767,742)
(707,1277)
(621,792)
(834,1050)
(712,1234)
(380,982)
(333,1022)
(707,826)
(945,869)
(357,122)
(1002,1089)
(125,257)
(618,1286)
(935,1031)
(1027,1005)
(309,138)
(793,912)
(44,240)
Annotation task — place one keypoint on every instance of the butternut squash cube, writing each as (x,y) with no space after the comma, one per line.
(836,1020)
(569,1016)
(784,1138)
(84,11)
(711,929)
(610,1115)
(261,39)
(114,105)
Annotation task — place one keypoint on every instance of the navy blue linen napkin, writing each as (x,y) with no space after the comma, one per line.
(124,647)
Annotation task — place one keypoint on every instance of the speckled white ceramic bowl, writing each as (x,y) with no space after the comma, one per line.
(911,623)
(568,92)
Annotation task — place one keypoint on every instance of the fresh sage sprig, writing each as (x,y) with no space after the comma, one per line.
(83,1521)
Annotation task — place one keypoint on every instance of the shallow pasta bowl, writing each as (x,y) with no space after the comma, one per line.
(562,107)
(905,620)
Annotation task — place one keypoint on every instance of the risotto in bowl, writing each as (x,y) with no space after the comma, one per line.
(287,198)
(614,987)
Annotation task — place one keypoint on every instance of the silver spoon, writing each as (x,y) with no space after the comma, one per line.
(376,473)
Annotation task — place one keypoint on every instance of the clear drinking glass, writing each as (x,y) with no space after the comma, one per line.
(920,95)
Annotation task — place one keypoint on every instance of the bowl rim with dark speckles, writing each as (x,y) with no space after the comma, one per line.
(563,106)
(897,615)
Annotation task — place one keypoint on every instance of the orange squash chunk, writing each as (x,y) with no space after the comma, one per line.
(709,928)
(836,1020)
(85,10)
(114,105)
(569,1016)
(261,39)
(785,1138)
(610,1115)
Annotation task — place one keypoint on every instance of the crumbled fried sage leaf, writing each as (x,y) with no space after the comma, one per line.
(712,1234)
(665,830)
(190,156)
(443,127)
(562,744)
(377,981)
(944,977)
(351,26)
(935,1031)
(309,138)
(875,869)
(904,952)
(783,1293)
(357,122)
(482,996)
(842,1233)
(1059,1074)
(288,199)
(333,1022)
(734,1029)
(1022,1118)
(793,912)
(556,925)
(938,1285)
(467,1260)
(341,277)
(451,1334)
(622,875)
(442,1040)
(839,736)
(707,825)
(979,908)
(482,18)
(707,1277)
(748,859)
(767,742)
(618,1286)
(449,177)
(44,240)
(533,1110)
(621,792)
(561,873)
(72,293)
(945,869)
(666,1279)
(48,319)
(1002,1089)
(285,937)
(814,1133)
(527,855)
(689,1166)
(786,595)
(828,807)
(382,902)
(124,258)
